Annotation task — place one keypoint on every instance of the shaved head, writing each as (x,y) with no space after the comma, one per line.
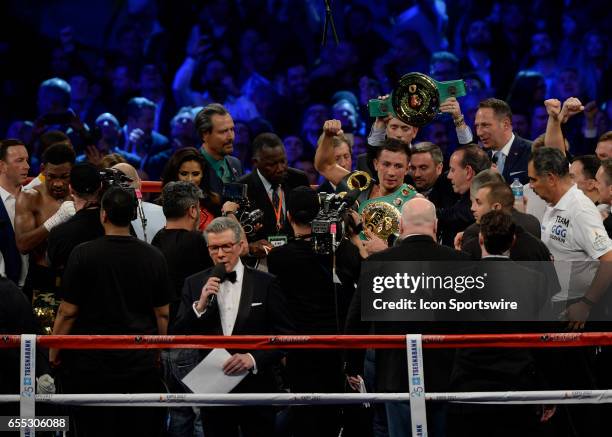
(419,217)
(130,172)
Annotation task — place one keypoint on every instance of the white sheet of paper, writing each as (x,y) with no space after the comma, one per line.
(208,376)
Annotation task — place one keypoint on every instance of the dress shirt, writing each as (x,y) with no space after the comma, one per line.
(9,203)
(502,154)
(228,300)
(268,186)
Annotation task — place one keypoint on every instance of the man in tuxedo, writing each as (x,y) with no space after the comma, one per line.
(215,128)
(509,152)
(248,302)
(13,173)
(418,243)
(269,186)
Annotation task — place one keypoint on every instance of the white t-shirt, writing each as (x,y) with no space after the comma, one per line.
(573,231)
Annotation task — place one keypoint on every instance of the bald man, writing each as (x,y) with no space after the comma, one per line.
(418,232)
(150,216)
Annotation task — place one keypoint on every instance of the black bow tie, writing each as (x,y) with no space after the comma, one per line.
(231,276)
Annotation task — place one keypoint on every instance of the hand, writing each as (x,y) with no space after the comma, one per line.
(458,240)
(54,357)
(451,106)
(230,208)
(374,243)
(210,288)
(65,211)
(137,137)
(238,364)
(571,107)
(45,384)
(381,122)
(75,122)
(546,412)
(577,314)
(94,156)
(260,248)
(331,128)
(553,108)
(354,382)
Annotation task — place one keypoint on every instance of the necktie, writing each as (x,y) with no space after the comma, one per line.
(500,160)
(277,205)
(231,276)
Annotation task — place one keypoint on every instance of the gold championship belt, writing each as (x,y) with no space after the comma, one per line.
(380,215)
(416,99)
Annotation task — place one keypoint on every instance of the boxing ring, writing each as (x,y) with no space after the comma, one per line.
(413,343)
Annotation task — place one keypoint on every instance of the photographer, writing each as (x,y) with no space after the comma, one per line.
(317,305)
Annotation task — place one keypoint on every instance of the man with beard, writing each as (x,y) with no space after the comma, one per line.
(426,167)
(268,187)
(37,211)
(215,128)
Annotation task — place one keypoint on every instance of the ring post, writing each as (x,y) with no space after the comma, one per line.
(416,385)
(27,400)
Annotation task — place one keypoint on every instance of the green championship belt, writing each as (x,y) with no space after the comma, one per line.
(416,99)
(381,215)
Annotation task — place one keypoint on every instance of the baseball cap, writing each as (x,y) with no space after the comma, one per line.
(85,178)
(303,204)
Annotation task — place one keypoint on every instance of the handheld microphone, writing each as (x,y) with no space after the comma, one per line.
(218,271)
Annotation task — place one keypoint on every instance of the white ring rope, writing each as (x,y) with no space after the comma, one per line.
(190,399)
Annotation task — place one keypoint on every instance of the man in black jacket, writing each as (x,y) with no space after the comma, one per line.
(465,163)
(502,369)
(317,305)
(248,302)
(418,229)
(269,185)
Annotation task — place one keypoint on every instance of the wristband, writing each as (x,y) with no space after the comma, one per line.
(586,300)
(459,120)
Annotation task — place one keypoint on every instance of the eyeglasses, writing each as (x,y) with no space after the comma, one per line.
(224,247)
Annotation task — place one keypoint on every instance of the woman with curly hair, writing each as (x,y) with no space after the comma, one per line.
(187,164)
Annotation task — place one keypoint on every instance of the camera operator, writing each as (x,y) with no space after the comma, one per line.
(150,218)
(317,305)
(85,188)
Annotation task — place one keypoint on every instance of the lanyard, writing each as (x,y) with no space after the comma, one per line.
(278,211)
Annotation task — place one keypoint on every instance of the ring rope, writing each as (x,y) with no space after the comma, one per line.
(532,340)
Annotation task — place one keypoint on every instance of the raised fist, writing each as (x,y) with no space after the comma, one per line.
(331,128)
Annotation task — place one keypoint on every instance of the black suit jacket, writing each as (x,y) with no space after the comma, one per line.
(454,218)
(517,160)
(262,310)
(505,368)
(8,246)
(259,198)
(391,364)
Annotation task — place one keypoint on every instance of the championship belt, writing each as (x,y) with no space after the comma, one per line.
(416,99)
(381,215)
